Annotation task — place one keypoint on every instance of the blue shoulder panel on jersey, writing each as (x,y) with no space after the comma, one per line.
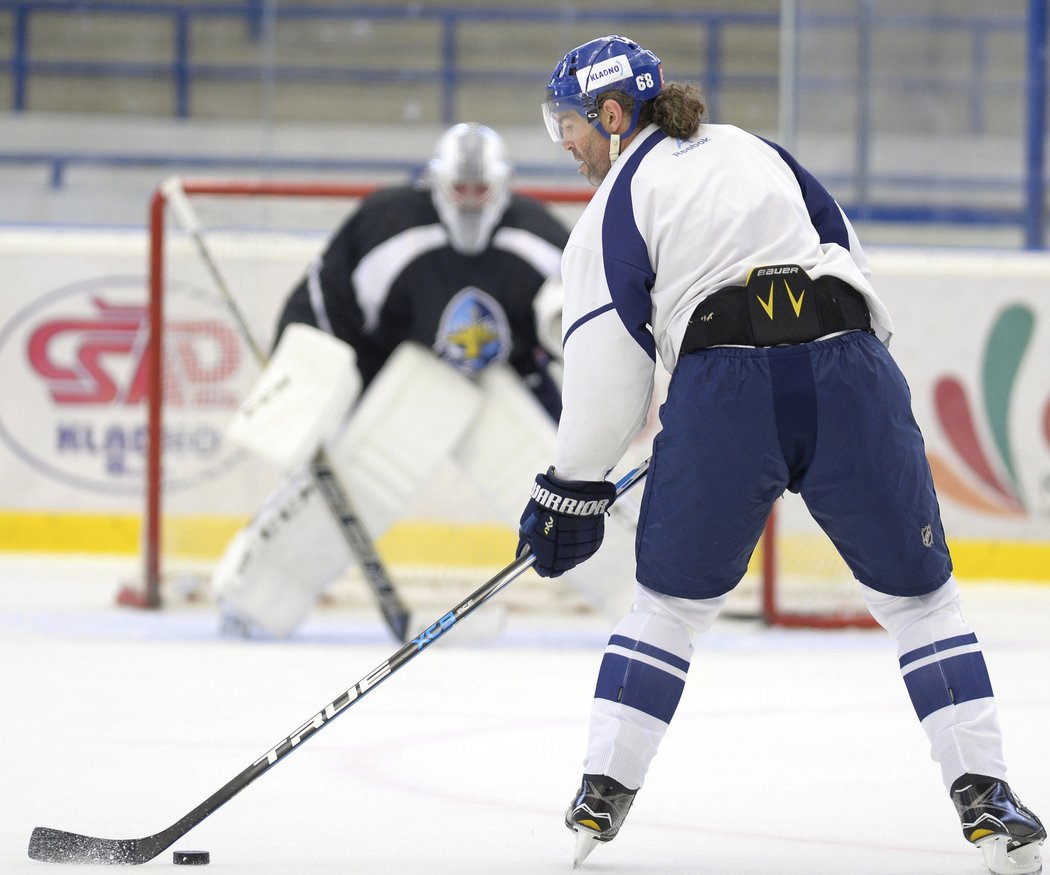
(823,211)
(627,266)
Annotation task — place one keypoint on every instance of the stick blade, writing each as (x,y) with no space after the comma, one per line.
(57,846)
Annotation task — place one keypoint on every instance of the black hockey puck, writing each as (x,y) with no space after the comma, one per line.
(191,858)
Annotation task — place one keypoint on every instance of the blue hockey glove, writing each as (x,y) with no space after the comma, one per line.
(564,522)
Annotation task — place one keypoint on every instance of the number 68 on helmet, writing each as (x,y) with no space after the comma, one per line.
(610,63)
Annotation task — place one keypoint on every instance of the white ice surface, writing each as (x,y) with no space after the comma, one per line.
(792,752)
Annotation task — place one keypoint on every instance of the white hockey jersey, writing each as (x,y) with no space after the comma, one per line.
(673,222)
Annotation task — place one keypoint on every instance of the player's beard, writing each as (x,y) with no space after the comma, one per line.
(594,158)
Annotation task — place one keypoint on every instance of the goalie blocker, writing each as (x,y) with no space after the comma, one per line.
(416,415)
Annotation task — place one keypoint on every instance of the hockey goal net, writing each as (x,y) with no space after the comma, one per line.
(256,238)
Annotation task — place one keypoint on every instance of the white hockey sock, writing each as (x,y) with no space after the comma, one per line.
(947,680)
(640,683)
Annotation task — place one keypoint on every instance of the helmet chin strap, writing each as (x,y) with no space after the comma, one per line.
(614,139)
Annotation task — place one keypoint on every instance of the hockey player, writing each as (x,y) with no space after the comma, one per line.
(448,298)
(717,251)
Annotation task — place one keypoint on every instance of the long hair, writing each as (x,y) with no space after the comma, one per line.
(677,110)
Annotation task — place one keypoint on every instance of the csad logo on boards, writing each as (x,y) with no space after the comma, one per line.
(85,347)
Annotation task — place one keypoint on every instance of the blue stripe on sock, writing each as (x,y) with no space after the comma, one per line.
(947,682)
(650,650)
(937,647)
(639,685)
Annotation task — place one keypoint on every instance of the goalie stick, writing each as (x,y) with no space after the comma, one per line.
(58,846)
(331,488)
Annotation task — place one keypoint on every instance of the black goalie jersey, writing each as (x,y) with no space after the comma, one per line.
(390,274)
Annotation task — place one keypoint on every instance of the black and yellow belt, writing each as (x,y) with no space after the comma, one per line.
(779,305)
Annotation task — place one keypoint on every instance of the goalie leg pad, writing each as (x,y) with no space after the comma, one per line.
(300,398)
(405,426)
(510,439)
(407,422)
(608,577)
(275,568)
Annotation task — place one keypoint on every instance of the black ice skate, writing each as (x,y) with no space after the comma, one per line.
(993,819)
(596,813)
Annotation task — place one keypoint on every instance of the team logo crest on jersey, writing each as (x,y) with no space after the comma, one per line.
(473,332)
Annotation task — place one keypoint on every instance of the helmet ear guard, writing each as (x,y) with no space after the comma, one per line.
(469,178)
(585,73)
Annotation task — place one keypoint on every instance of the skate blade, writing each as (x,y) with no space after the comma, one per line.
(586,841)
(1026,860)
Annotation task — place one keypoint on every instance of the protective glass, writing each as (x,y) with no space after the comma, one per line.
(564,117)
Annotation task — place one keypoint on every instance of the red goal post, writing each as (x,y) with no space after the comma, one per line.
(769,590)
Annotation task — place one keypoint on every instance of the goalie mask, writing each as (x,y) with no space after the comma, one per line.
(470,184)
(588,71)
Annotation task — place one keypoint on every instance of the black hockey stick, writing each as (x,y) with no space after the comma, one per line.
(57,846)
(332,490)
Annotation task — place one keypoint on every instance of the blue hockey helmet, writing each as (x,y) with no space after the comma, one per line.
(609,62)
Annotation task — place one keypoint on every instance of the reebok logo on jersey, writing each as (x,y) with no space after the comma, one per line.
(568,506)
(686,146)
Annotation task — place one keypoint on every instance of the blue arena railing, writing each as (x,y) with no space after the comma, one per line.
(717,61)
(183,72)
